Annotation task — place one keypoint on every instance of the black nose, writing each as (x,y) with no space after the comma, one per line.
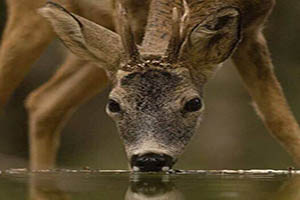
(151,162)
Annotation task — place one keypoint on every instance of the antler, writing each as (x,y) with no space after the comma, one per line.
(125,31)
(179,32)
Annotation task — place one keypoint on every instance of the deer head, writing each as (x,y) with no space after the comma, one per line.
(157,95)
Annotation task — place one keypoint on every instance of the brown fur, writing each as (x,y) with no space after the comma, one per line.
(251,58)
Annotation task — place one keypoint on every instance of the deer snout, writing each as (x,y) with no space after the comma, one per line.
(152,162)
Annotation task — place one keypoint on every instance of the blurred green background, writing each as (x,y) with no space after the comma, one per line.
(231,136)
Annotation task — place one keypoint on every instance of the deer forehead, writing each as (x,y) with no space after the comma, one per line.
(152,86)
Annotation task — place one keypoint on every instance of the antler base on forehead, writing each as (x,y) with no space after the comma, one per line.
(147,62)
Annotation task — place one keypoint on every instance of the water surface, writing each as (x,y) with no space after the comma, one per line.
(189,185)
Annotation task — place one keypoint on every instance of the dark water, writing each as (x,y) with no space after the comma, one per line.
(95,185)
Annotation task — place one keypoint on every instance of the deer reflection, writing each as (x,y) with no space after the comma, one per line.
(141,187)
(152,188)
(45,189)
(289,190)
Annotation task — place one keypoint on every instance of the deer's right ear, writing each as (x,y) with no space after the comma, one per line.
(214,40)
(84,38)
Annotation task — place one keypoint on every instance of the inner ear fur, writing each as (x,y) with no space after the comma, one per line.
(84,38)
(214,40)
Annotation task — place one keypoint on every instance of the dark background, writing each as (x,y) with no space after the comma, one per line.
(231,136)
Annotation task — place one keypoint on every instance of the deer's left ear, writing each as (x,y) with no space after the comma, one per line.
(84,38)
(214,40)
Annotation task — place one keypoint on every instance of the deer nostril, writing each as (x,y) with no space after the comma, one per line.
(151,162)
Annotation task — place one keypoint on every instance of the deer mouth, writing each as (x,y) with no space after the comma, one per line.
(152,162)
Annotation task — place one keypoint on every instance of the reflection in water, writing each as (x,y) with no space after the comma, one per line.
(45,189)
(161,187)
(139,188)
(290,190)
(156,188)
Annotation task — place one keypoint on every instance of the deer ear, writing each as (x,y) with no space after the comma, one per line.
(214,40)
(84,38)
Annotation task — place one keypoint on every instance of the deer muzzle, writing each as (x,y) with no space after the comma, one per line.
(152,162)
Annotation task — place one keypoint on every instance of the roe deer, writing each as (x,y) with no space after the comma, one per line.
(157,95)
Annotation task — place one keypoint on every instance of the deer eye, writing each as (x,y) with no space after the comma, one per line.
(193,105)
(113,106)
